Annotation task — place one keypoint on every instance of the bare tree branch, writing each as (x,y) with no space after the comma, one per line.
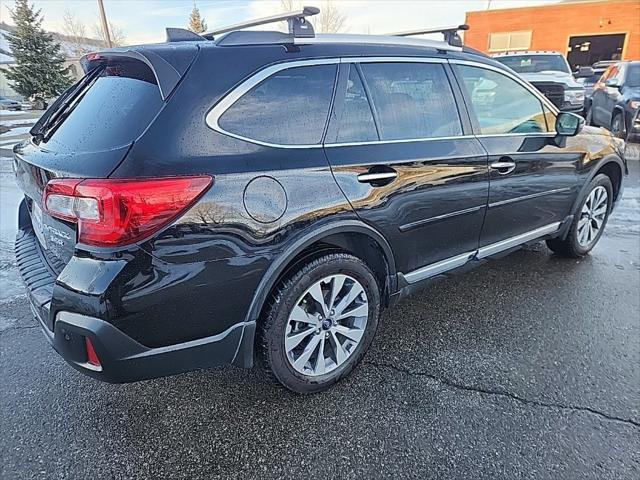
(118,38)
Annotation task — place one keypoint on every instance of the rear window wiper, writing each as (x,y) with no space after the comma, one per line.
(39,130)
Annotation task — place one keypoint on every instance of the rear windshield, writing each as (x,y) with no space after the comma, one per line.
(111,111)
(535,63)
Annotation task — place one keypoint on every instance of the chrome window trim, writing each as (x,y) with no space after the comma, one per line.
(213,116)
(402,140)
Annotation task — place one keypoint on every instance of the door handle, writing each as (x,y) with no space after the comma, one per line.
(377,177)
(504,166)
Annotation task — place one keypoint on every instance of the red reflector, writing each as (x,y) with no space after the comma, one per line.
(117,212)
(92,356)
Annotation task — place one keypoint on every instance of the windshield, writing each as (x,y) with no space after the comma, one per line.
(633,75)
(111,111)
(535,63)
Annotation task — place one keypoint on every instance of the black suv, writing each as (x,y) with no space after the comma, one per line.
(616,99)
(263,196)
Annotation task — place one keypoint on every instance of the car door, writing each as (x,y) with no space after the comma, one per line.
(533,181)
(401,150)
(603,94)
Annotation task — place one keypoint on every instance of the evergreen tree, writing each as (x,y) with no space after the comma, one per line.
(196,22)
(39,65)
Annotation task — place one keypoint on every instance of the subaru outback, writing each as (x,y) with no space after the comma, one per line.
(260,197)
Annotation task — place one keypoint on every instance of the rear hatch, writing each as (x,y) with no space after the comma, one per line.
(85,134)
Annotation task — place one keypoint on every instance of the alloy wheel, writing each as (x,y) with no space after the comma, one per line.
(326,325)
(592,216)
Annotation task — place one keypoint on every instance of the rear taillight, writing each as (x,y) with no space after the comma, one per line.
(117,212)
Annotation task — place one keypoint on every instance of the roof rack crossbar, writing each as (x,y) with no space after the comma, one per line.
(451,35)
(298,26)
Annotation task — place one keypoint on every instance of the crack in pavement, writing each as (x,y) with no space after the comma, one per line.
(24,327)
(503,393)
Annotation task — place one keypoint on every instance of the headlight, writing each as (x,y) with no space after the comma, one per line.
(574,97)
(634,104)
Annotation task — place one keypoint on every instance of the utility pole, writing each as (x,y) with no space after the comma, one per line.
(105,25)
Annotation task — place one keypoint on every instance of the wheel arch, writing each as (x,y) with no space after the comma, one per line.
(614,168)
(335,236)
(343,235)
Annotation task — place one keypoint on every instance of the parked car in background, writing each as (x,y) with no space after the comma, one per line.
(616,98)
(270,210)
(550,73)
(8,104)
(588,77)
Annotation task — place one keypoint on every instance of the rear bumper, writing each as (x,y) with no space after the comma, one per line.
(122,358)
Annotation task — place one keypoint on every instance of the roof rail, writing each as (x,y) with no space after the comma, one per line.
(298,25)
(451,35)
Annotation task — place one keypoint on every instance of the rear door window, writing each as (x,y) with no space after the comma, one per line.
(110,112)
(288,108)
(412,100)
(356,123)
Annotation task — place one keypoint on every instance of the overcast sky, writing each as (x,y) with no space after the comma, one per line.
(143,21)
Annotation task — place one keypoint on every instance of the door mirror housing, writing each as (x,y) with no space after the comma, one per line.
(584,72)
(569,124)
(612,83)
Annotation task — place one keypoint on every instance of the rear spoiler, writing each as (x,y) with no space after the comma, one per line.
(167,62)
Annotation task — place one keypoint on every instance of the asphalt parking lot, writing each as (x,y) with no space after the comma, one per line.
(526,367)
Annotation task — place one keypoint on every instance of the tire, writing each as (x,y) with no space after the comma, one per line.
(290,362)
(617,125)
(578,243)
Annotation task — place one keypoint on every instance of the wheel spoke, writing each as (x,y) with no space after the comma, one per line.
(359,311)
(292,341)
(336,285)
(351,295)
(299,315)
(582,233)
(321,360)
(341,355)
(600,211)
(302,360)
(316,293)
(354,334)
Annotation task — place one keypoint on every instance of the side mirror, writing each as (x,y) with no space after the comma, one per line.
(584,72)
(612,83)
(569,124)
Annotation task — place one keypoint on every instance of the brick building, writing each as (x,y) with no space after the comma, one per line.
(587,31)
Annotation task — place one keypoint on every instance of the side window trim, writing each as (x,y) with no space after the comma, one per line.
(544,102)
(216,111)
(213,116)
(367,92)
(464,113)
